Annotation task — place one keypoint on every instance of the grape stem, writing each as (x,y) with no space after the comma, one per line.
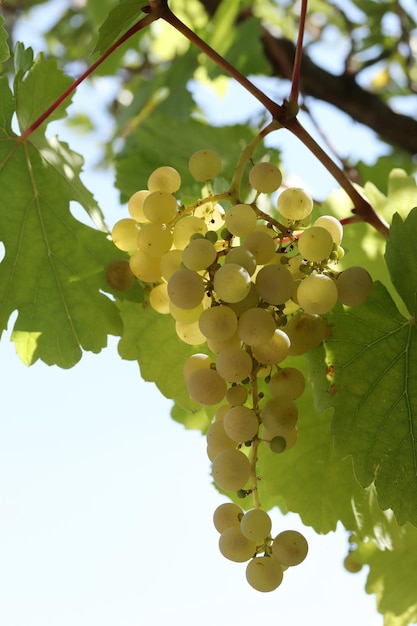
(295,80)
(255,443)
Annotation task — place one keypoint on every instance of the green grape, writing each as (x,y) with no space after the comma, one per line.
(265,177)
(317,294)
(124,234)
(305,332)
(204,165)
(231,470)
(242,256)
(262,246)
(241,424)
(235,547)
(278,444)
(231,282)
(217,439)
(315,244)
(279,416)
(290,548)
(275,284)
(350,565)
(241,220)
(274,350)
(189,333)
(256,525)
(288,382)
(295,204)
(199,254)
(234,364)
(354,285)
(154,239)
(135,205)
(186,289)
(206,387)
(144,267)
(264,573)
(160,207)
(256,326)
(212,214)
(236,395)
(159,299)
(331,224)
(195,362)
(171,261)
(218,322)
(227,515)
(120,276)
(165,179)
(185,228)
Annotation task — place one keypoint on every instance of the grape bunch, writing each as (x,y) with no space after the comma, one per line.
(248,289)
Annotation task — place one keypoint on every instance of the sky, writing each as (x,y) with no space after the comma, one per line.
(106,503)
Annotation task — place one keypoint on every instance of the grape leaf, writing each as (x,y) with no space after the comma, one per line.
(150,339)
(53,270)
(4,48)
(401,257)
(116,24)
(372,383)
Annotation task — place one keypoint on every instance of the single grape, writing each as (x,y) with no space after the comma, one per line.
(354,285)
(218,322)
(315,244)
(288,382)
(186,289)
(262,246)
(279,416)
(256,525)
(295,204)
(241,220)
(275,284)
(185,228)
(256,326)
(231,282)
(234,364)
(264,573)
(274,350)
(124,234)
(165,179)
(278,444)
(235,547)
(331,224)
(290,548)
(154,239)
(135,205)
(265,177)
(305,332)
(236,395)
(217,438)
(227,515)
(204,165)
(195,362)
(199,254)
(206,387)
(317,294)
(189,333)
(242,256)
(120,276)
(144,267)
(350,565)
(240,424)
(231,470)
(159,299)
(160,207)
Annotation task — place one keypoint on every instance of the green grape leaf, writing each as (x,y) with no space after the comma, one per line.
(371,361)
(53,270)
(117,23)
(150,339)
(4,48)
(177,142)
(401,258)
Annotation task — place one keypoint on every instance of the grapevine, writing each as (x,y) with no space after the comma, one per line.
(247,288)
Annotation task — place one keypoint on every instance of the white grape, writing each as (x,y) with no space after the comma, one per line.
(290,548)
(236,395)
(204,165)
(241,424)
(235,547)
(331,224)
(265,177)
(241,220)
(315,244)
(186,289)
(186,316)
(275,284)
(256,326)
(264,573)
(189,333)
(159,299)
(231,282)
(144,267)
(227,515)
(242,256)
(354,285)
(124,234)
(154,239)
(262,246)
(274,350)
(206,387)
(199,254)
(305,332)
(164,178)
(195,362)
(218,322)
(217,438)
(135,205)
(279,415)
(231,470)
(288,382)
(185,228)
(256,525)
(170,262)
(160,207)
(234,364)
(317,294)
(295,204)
